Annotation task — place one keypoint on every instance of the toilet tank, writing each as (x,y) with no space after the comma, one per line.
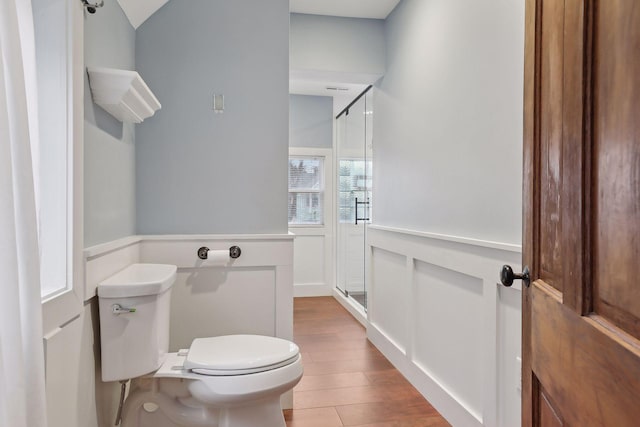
(134,320)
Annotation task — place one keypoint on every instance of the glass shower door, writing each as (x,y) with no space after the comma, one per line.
(354,168)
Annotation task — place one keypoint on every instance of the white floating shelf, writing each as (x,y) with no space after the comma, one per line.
(122,93)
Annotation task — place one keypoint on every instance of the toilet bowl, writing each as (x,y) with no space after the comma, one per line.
(225,381)
(228,381)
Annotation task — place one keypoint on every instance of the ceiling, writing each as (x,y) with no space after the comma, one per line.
(376,9)
(139,10)
(342,93)
(337,86)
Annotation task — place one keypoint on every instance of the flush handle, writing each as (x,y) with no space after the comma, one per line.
(118,309)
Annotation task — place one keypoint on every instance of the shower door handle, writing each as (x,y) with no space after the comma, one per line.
(361,203)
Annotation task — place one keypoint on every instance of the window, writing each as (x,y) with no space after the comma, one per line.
(306,190)
(51,175)
(58,26)
(355,183)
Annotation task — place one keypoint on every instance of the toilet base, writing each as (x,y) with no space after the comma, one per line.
(149,409)
(177,398)
(266,413)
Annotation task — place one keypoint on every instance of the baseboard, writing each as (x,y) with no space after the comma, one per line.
(311,290)
(445,402)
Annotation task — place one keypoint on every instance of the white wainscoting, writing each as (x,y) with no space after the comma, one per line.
(313,263)
(437,311)
(252,294)
(105,260)
(76,396)
(62,356)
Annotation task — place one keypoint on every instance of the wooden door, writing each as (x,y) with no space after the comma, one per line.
(581,313)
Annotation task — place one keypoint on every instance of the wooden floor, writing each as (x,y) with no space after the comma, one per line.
(347,381)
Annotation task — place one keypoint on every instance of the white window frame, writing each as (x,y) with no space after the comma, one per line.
(61,307)
(327,197)
(320,191)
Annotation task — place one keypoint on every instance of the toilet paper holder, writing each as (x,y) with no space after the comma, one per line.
(234,252)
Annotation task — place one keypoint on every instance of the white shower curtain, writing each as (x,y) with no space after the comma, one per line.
(22,392)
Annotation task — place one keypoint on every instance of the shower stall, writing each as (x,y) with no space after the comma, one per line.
(354,148)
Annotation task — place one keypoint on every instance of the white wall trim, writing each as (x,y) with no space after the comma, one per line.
(104,248)
(62,306)
(457,239)
(311,151)
(311,290)
(104,260)
(200,237)
(114,245)
(182,251)
(311,230)
(414,275)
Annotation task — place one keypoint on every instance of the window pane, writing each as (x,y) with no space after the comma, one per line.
(354,182)
(50,24)
(305,208)
(305,173)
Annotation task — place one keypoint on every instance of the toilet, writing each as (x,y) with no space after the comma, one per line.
(224,381)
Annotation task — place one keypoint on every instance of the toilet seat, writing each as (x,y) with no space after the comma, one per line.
(239,355)
(220,372)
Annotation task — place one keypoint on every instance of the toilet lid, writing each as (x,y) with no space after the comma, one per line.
(239,354)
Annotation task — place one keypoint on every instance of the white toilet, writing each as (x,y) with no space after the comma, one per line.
(226,381)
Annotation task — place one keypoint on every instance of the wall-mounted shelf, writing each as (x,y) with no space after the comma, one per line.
(122,93)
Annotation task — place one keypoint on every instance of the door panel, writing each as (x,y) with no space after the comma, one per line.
(584,364)
(551,66)
(617,164)
(581,314)
(549,416)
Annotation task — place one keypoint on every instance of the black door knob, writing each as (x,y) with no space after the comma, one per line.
(507,276)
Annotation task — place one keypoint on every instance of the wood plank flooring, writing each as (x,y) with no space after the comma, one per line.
(347,381)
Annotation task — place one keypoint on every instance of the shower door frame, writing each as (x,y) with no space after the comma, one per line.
(362,209)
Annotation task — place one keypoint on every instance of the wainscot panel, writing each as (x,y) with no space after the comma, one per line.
(438,312)
(261,279)
(63,348)
(389,295)
(312,267)
(445,349)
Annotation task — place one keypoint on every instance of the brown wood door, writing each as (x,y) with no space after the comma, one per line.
(581,313)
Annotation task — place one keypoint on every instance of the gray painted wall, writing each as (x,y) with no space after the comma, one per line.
(109,200)
(109,151)
(310,121)
(448,119)
(200,172)
(338,45)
